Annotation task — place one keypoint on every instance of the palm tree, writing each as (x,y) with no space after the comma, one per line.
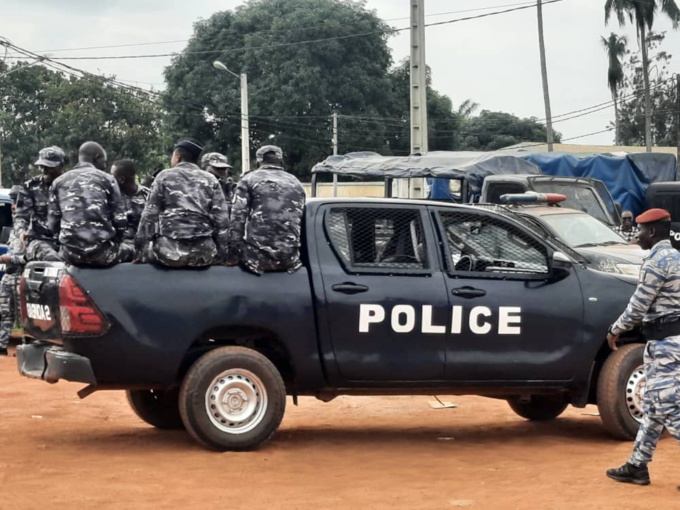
(643,13)
(615,46)
(544,75)
(467,108)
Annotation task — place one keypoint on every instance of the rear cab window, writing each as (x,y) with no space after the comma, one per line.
(379,239)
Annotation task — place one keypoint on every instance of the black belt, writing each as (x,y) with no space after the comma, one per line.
(659,330)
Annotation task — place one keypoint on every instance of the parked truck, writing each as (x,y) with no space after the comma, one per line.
(395,297)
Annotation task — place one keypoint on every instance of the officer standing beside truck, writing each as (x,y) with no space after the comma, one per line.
(266,216)
(14,262)
(31,224)
(656,306)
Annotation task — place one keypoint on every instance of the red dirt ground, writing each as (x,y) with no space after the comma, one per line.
(354,453)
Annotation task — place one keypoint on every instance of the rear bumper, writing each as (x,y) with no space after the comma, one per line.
(51,364)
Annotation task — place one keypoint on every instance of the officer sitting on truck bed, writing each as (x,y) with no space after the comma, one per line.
(186,220)
(266,217)
(31,224)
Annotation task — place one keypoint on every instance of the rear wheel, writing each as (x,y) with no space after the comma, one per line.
(620,391)
(538,407)
(232,398)
(159,408)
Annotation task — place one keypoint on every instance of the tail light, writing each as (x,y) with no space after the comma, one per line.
(22,300)
(79,314)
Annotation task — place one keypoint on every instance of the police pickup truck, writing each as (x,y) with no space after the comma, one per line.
(396,297)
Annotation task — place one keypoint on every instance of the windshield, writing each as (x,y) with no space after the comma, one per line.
(582,230)
(579,197)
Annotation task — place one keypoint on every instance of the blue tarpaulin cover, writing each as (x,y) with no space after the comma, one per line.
(626,177)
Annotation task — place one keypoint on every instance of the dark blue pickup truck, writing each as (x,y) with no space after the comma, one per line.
(396,297)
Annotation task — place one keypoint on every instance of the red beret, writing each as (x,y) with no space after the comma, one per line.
(653,215)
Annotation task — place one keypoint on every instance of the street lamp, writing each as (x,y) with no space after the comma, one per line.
(245,128)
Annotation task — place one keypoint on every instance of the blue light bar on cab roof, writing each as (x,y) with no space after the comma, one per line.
(532,197)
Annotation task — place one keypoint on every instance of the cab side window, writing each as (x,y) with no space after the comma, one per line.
(368,239)
(484,244)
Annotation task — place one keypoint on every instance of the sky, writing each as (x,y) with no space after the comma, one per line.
(494,60)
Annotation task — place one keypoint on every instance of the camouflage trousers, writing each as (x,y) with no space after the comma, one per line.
(7,306)
(126,251)
(169,252)
(661,402)
(259,261)
(41,249)
(106,255)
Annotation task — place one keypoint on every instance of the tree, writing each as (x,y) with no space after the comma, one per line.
(41,107)
(495,130)
(544,77)
(293,88)
(643,14)
(442,122)
(615,46)
(663,97)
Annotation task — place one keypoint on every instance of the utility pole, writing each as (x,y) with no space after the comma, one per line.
(245,126)
(544,75)
(335,151)
(418,86)
(677,99)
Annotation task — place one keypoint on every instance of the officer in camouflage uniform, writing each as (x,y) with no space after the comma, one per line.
(218,165)
(186,220)
(14,262)
(87,213)
(266,217)
(656,306)
(135,197)
(30,222)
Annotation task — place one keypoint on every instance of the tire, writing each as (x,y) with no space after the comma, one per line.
(619,391)
(159,408)
(538,408)
(232,398)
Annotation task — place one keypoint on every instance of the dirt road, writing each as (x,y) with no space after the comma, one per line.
(354,453)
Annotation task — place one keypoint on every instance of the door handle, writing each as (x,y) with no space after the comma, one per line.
(349,288)
(468,292)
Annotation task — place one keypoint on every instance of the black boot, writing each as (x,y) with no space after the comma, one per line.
(628,473)
(3,351)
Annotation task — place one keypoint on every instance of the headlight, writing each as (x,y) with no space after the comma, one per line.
(629,269)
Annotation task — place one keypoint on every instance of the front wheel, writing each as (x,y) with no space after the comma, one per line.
(538,407)
(232,398)
(620,391)
(156,407)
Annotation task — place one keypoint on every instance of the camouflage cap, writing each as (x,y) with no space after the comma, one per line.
(51,157)
(215,159)
(266,149)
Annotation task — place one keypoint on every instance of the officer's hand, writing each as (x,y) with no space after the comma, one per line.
(611,340)
(5,259)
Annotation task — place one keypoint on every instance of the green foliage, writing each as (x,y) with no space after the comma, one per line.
(663,98)
(495,130)
(293,90)
(41,107)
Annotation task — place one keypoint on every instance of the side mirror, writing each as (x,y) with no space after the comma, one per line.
(560,265)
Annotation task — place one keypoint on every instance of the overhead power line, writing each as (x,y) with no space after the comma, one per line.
(273,30)
(311,41)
